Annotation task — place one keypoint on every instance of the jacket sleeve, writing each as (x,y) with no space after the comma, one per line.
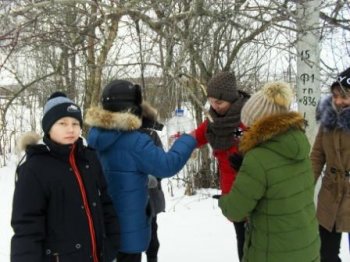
(318,157)
(200,134)
(28,218)
(248,189)
(151,159)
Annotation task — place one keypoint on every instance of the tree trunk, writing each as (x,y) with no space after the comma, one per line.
(308,60)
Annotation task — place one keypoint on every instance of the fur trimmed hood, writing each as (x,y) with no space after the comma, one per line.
(330,118)
(149,117)
(28,139)
(124,121)
(270,127)
(149,111)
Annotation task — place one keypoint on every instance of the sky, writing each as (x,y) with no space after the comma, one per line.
(192,228)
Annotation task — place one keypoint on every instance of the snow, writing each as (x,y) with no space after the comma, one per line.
(191,229)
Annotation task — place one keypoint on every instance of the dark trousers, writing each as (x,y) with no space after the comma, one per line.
(240,236)
(330,245)
(125,257)
(152,251)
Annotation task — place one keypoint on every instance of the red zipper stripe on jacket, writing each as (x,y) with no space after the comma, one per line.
(85,203)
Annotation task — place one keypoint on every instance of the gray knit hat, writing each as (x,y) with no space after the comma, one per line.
(223,86)
(57,106)
(273,98)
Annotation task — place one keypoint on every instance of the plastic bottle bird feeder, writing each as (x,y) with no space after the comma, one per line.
(178,125)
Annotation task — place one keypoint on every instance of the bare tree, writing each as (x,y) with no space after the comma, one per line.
(171,47)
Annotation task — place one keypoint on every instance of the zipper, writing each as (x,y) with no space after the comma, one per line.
(85,203)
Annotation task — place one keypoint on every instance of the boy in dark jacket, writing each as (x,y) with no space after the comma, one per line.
(61,209)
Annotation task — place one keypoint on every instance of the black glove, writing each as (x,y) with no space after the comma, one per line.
(216,196)
(236,161)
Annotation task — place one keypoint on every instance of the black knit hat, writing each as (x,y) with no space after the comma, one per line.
(223,86)
(57,106)
(122,95)
(343,81)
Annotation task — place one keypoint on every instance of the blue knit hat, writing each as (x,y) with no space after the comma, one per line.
(57,106)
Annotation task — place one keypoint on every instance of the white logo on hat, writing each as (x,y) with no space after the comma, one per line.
(341,79)
(72,109)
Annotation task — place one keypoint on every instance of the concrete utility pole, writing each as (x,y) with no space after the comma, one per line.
(308,63)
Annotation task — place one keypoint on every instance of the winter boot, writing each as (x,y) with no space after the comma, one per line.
(152,259)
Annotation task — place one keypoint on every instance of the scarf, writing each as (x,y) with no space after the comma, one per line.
(225,131)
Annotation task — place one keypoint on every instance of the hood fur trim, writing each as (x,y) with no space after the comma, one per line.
(148,111)
(99,117)
(330,118)
(27,139)
(269,127)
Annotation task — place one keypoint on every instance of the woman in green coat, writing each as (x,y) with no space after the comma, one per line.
(274,189)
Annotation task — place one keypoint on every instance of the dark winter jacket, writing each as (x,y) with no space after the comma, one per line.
(275,190)
(49,215)
(332,149)
(128,156)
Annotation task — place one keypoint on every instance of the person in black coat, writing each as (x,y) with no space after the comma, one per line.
(150,126)
(61,209)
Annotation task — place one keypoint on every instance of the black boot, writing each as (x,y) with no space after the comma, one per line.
(152,259)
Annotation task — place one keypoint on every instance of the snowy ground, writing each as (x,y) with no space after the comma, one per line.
(192,229)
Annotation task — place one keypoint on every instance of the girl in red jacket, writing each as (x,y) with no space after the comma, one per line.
(223,133)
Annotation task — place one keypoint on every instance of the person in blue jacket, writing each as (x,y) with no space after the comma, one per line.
(128,155)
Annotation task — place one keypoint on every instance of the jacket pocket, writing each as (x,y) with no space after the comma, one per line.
(329,182)
(64,251)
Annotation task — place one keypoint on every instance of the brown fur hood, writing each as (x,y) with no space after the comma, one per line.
(269,127)
(148,111)
(125,121)
(32,138)
(28,139)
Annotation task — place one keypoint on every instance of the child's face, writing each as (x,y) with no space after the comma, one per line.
(65,131)
(340,100)
(220,106)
